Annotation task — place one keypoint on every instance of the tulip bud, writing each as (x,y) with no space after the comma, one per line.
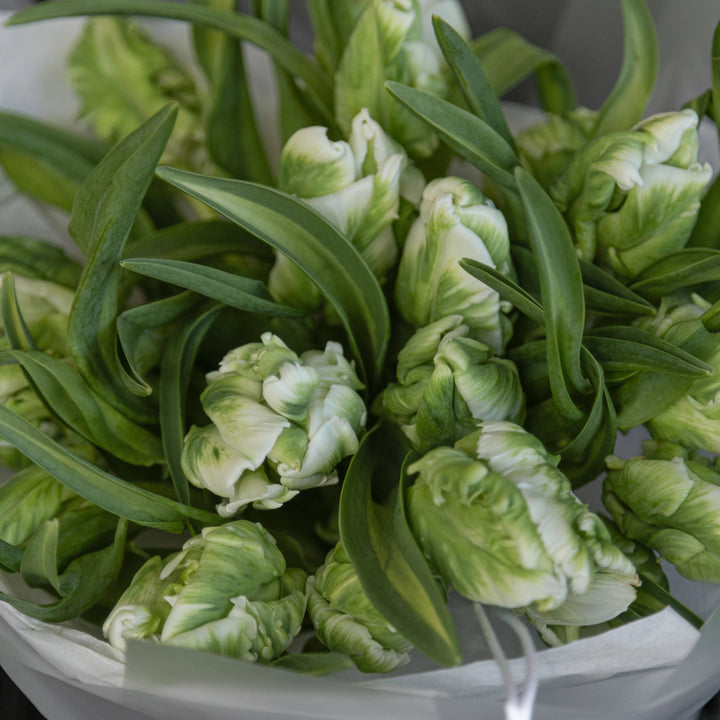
(499,521)
(632,197)
(456,221)
(346,621)
(693,418)
(227,591)
(448,383)
(280,424)
(356,186)
(669,501)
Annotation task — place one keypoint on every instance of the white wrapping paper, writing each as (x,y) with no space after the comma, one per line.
(657,668)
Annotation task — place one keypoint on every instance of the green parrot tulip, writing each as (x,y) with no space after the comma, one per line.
(346,621)
(228,591)
(456,221)
(448,383)
(669,500)
(500,523)
(280,424)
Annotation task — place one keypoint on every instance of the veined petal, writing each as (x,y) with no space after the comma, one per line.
(333,441)
(209,462)
(394,18)
(345,208)
(336,401)
(254,487)
(332,366)
(665,133)
(289,391)
(311,165)
(245,425)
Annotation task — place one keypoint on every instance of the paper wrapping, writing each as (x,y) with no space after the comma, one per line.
(656,668)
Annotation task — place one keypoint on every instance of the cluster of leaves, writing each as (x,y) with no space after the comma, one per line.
(128,385)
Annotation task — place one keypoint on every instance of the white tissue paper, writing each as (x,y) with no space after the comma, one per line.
(657,668)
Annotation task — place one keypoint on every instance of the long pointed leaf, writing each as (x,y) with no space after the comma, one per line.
(233,290)
(471,79)
(584,457)
(626,103)
(561,291)
(291,227)
(678,270)
(388,561)
(195,240)
(71,400)
(103,215)
(104,490)
(232,136)
(47,163)
(10,557)
(465,133)
(83,584)
(631,348)
(143,329)
(242,27)
(179,356)
(506,288)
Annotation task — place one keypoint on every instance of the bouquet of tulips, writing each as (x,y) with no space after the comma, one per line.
(277,408)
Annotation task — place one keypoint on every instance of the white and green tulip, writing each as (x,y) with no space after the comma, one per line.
(632,197)
(280,424)
(448,383)
(693,420)
(356,186)
(669,501)
(500,523)
(346,621)
(228,591)
(456,221)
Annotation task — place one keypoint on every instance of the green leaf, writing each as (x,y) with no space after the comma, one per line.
(506,288)
(661,594)
(329,260)
(391,567)
(82,585)
(327,43)
(117,496)
(196,240)
(102,217)
(10,557)
(561,291)
(625,105)
(13,325)
(39,561)
(606,295)
(36,258)
(508,58)
(143,329)
(177,362)
(465,133)
(630,348)
(583,458)
(314,663)
(233,290)
(706,232)
(232,136)
(471,79)
(74,403)
(360,73)
(243,27)
(44,162)
(676,271)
